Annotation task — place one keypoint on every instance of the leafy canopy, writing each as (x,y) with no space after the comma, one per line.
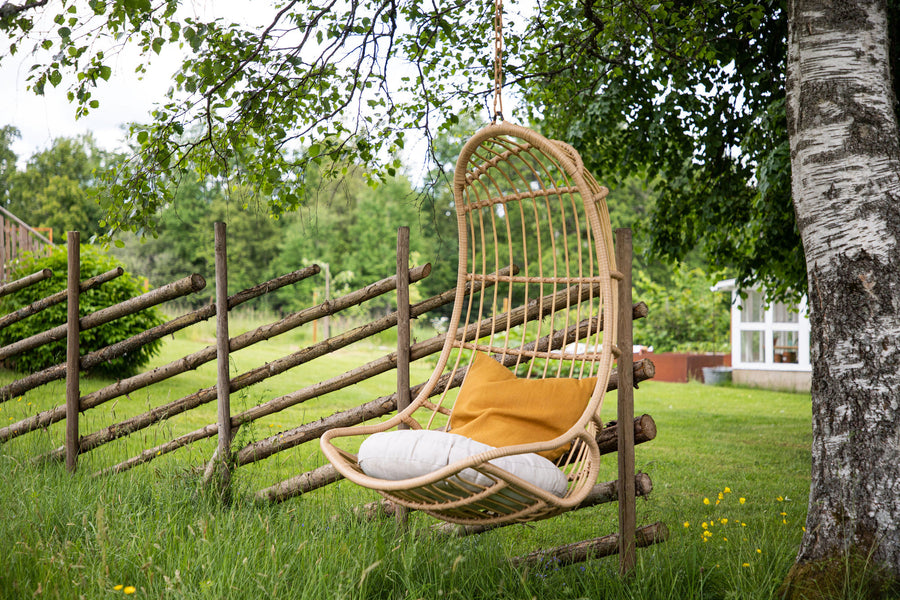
(689,93)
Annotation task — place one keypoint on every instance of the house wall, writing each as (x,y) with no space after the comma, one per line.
(791,381)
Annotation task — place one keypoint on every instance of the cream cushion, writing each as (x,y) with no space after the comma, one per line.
(403,454)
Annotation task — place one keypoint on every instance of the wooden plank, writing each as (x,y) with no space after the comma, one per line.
(223,378)
(625,394)
(73,349)
(403,337)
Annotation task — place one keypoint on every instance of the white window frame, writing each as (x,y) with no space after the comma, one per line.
(769,327)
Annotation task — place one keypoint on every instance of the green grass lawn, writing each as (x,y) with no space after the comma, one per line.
(730,469)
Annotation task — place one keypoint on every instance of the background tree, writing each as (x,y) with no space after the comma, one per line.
(58,186)
(8,159)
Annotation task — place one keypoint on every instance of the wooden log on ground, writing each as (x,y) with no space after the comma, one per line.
(301,484)
(28,280)
(176,289)
(45,303)
(601,493)
(590,549)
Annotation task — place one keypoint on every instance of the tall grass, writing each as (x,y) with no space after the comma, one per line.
(154,531)
(730,468)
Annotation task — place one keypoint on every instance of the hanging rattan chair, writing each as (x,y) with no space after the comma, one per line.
(537,292)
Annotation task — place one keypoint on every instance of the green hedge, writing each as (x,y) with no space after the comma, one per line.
(93,262)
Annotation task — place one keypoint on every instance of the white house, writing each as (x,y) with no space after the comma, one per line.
(769,344)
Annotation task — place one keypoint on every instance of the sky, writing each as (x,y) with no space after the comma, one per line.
(123,99)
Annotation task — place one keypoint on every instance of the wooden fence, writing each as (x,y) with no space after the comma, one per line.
(16,237)
(228,422)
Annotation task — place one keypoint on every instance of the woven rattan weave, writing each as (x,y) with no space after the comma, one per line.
(537,290)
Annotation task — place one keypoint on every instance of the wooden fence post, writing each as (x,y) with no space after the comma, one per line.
(625,417)
(222,459)
(403,335)
(73,349)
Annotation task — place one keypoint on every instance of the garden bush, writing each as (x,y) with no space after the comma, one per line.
(93,262)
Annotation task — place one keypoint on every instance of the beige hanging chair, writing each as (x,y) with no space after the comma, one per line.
(537,293)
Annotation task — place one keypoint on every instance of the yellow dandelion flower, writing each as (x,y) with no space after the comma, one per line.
(118,587)
(704,540)
(704,525)
(717,502)
(723,521)
(721,496)
(743,524)
(725,538)
(784,514)
(780,498)
(742,500)
(784,521)
(727,490)
(745,565)
(804,529)
(129,589)
(759,551)
(706,501)
(687,524)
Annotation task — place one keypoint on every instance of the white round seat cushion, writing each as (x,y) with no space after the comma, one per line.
(407,453)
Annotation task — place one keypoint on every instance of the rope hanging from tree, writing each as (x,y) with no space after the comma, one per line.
(498,60)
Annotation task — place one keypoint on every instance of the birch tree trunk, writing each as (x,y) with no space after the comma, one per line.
(845,160)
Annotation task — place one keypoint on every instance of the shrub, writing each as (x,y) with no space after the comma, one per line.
(93,262)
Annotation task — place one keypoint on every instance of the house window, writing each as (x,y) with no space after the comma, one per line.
(752,347)
(753,309)
(769,337)
(785,346)
(785,313)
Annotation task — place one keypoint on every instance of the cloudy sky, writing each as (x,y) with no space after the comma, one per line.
(124,98)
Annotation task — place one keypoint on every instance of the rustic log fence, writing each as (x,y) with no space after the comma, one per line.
(77,443)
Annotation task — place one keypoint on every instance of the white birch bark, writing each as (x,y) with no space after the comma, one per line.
(845,161)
